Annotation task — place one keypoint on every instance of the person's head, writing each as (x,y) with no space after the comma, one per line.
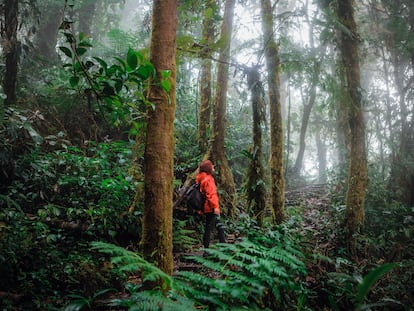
(207,166)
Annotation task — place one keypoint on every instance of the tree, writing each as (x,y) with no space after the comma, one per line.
(47,34)
(10,52)
(271,51)
(399,41)
(317,58)
(255,186)
(159,149)
(217,149)
(205,79)
(357,173)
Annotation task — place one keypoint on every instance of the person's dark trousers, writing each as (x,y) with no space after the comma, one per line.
(211,222)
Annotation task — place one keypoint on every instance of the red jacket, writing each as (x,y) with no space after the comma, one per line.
(209,188)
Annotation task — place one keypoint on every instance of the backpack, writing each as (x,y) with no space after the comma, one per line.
(195,198)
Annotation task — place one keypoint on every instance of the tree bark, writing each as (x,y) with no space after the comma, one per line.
(205,79)
(271,51)
(402,166)
(321,151)
(217,150)
(9,35)
(159,150)
(256,192)
(357,173)
(47,34)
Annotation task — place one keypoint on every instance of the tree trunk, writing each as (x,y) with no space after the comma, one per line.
(216,152)
(321,150)
(86,16)
(307,109)
(256,192)
(357,173)
(9,44)
(159,150)
(47,34)
(402,169)
(271,51)
(205,79)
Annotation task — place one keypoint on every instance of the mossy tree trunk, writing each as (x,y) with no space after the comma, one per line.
(271,51)
(255,184)
(217,149)
(357,173)
(401,181)
(9,45)
(205,76)
(159,150)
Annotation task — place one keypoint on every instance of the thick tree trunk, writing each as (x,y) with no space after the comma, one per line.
(205,79)
(159,150)
(47,34)
(216,152)
(357,174)
(256,192)
(9,44)
(271,51)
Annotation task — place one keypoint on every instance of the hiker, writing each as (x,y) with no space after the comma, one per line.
(211,207)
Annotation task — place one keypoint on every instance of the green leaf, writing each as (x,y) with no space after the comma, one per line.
(165,74)
(144,72)
(369,280)
(80,51)
(122,62)
(74,80)
(166,85)
(118,85)
(132,59)
(101,62)
(66,51)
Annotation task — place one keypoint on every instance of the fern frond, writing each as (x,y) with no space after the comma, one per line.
(128,261)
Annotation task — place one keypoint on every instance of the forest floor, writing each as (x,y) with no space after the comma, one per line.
(316,223)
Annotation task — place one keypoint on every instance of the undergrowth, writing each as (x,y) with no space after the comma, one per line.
(265,271)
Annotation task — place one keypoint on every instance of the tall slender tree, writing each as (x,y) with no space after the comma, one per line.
(271,52)
(9,45)
(159,150)
(255,185)
(217,149)
(399,43)
(317,55)
(206,75)
(357,174)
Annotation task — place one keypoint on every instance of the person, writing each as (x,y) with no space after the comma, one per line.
(211,208)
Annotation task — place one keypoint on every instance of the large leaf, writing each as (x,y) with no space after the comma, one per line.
(132,59)
(66,51)
(369,280)
(74,80)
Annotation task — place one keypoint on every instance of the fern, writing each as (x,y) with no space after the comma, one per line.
(257,267)
(262,272)
(127,261)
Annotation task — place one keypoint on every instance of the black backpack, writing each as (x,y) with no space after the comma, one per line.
(195,198)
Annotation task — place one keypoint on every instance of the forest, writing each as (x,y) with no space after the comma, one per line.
(305,108)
